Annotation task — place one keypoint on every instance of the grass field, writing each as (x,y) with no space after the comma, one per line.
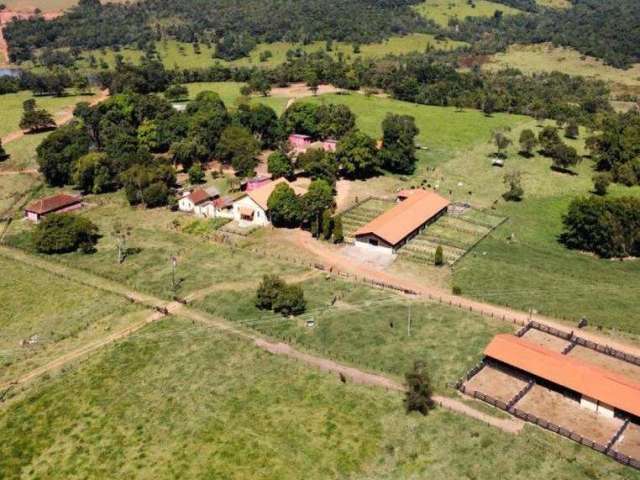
(57,314)
(547,58)
(11,107)
(554,3)
(158,236)
(182,55)
(177,400)
(368,328)
(230,92)
(441,11)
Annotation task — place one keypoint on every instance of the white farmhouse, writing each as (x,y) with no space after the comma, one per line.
(252,210)
(190,201)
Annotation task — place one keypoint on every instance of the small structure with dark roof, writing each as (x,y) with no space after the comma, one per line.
(60,203)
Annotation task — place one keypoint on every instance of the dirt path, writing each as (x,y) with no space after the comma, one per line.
(336,262)
(60,117)
(26,171)
(300,90)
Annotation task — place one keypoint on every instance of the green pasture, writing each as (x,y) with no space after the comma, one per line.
(442,11)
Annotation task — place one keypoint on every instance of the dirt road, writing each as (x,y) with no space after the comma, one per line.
(335,262)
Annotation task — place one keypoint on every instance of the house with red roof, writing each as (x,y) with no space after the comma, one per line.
(60,203)
(190,202)
(415,210)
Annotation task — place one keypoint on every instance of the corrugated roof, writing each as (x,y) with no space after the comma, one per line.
(577,375)
(199,196)
(51,204)
(394,225)
(261,194)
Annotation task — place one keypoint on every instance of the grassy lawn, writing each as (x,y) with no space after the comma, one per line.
(11,107)
(441,11)
(183,55)
(58,315)
(545,57)
(14,190)
(177,400)
(158,236)
(22,152)
(554,3)
(230,92)
(368,328)
(535,271)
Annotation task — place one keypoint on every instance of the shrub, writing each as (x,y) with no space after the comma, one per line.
(196,174)
(279,165)
(439,257)
(601,182)
(290,300)
(419,392)
(64,233)
(456,290)
(338,235)
(156,195)
(268,291)
(3,153)
(327,224)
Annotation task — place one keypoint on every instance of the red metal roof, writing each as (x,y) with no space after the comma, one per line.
(52,204)
(198,196)
(396,224)
(585,378)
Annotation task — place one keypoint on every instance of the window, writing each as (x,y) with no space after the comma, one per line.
(373,241)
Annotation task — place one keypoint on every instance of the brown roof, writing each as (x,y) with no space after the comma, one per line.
(577,375)
(52,204)
(407,216)
(199,196)
(261,194)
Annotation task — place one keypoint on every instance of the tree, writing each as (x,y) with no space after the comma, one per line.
(268,291)
(240,149)
(528,142)
(155,195)
(419,394)
(176,93)
(196,174)
(572,130)
(439,257)
(549,139)
(208,119)
(489,105)
(3,153)
(334,120)
(290,300)
(514,181)
(319,165)
(279,165)
(338,235)
(357,155)
(35,119)
(59,151)
(318,198)
(327,224)
(262,121)
(121,233)
(260,83)
(64,233)
(601,182)
(564,156)
(285,208)
(95,173)
(188,152)
(502,142)
(301,118)
(398,152)
(312,81)
(148,184)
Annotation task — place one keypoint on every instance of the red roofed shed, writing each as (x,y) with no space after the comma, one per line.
(60,203)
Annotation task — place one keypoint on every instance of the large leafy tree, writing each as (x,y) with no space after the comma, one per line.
(285,208)
(58,152)
(357,155)
(240,149)
(65,233)
(398,152)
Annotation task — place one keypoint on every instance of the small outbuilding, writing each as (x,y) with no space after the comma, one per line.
(191,201)
(415,210)
(60,203)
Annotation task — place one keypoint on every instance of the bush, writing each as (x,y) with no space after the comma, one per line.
(439,257)
(327,224)
(456,290)
(338,235)
(419,392)
(274,294)
(64,233)
(279,165)
(156,195)
(3,153)
(196,174)
(601,182)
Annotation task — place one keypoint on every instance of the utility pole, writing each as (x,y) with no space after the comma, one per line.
(174,262)
(409,321)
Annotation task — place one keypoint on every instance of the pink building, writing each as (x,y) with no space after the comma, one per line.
(255,183)
(329,145)
(299,141)
(60,203)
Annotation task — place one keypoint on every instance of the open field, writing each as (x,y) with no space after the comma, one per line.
(144,409)
(442,11)
(545,57)
(11,107)
(54,314)
(182,55)
(45,5)
(368,328)
(230,92)
(13,189)
(554,3)
(156,237)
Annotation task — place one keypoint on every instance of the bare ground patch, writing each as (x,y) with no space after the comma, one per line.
(497,383)
(565,412)
(629,442)
(545,340)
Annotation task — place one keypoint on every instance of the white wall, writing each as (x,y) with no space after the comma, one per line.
(259,216)
(378,249)
(185,204)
